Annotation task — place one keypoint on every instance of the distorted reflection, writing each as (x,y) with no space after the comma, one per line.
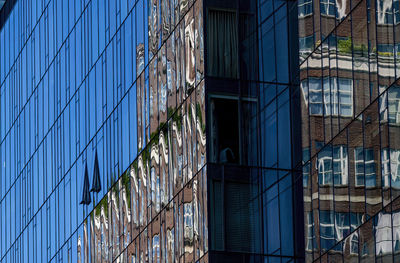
(305,7)
(354,243)
(188,225)
(391,168)
(364,167)
(336,97)
(394,104)
(156,248)
(126,208)
(306,45)
(336,165)
(116,222)
(179,226)
(199,42)
(142,101)
(190,50)
(387,12)
(328,7)
(350,110)
(383,234)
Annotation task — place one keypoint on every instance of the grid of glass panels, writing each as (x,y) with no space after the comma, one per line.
(350,131)
(376,240)
(249,87)
(120,78)
(355,176)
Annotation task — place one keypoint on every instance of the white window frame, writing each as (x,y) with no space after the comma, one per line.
(385,162)
(383,234)
(328,225)
(353,242)
(328,3)
(343,164)
(307,50)
(340,225)
(385,8)
(390,159)
(365,163)
(325,173)
(394,105)
(315,90)
(304,4)
(343,161)
(310,233)
(333,92)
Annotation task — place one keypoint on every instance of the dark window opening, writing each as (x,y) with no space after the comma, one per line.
(233,130)
(224,131)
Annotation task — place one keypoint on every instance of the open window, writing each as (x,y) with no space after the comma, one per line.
(224,130)
(233,130)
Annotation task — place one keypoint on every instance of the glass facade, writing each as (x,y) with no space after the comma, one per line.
(160,131)
(349,87)
(255,190)
(116,89)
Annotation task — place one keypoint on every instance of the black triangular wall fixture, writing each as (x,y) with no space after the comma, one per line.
(96,182)
(86,194)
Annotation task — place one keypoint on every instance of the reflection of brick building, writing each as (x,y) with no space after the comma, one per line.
(350,124)
(157,210)
(188,114)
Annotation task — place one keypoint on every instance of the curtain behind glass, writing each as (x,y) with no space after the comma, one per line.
(222,44)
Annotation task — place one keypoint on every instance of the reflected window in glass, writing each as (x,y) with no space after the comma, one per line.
(354,244)
(306,167)
(394,104)
(305,7)
(338,96)
(313,95)
(368,164)
(327,229)
(390,168)
(383,234)
(396,231)
(387,12)
(310,232)
(342,225)
(328,7)
(156,248)
(340,165)
(325,167)
(306,45)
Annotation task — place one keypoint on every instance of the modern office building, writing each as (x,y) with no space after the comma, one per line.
(253,131)
(199,131)
(350,108)
(150,131)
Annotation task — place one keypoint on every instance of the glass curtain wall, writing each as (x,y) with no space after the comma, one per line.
(115,87)
(349,94)
(251,93)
